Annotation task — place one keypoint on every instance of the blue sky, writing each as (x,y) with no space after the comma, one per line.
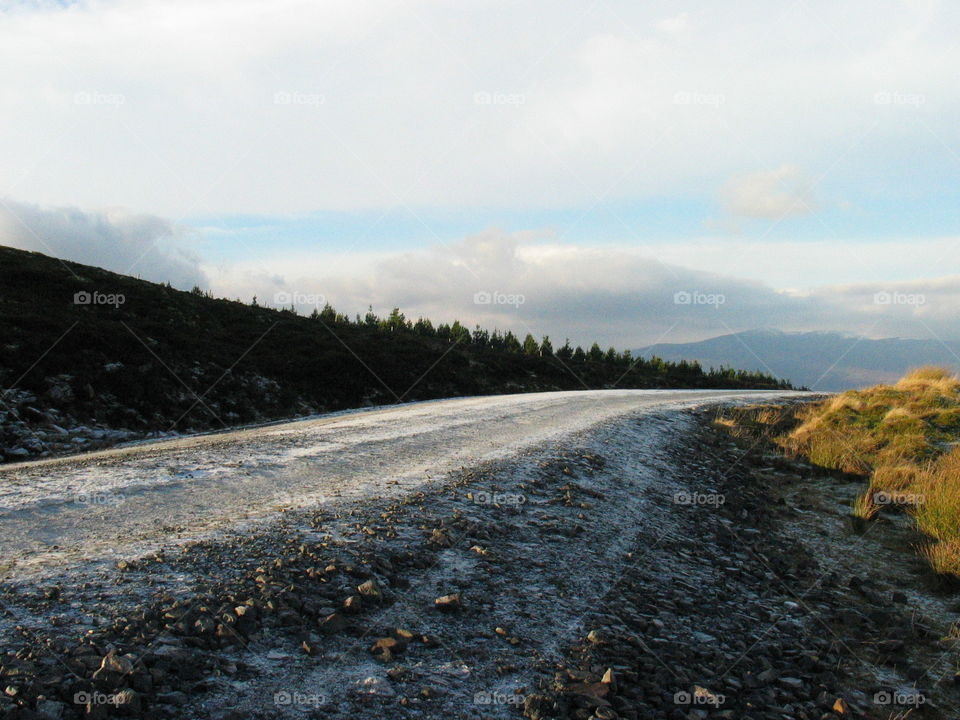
(595,156)
(935,212)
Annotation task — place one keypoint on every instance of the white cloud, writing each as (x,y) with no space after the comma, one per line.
(594,111)
(775,194)
(675,24)
(128,243)
(617,296)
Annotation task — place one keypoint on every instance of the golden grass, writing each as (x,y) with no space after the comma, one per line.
(944,557)
(895,477)
(938,513)
(929,378)
(864,506)
(906,438)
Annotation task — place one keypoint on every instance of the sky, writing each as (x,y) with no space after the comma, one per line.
(625,172)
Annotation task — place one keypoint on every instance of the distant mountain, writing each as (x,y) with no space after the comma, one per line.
(818,360)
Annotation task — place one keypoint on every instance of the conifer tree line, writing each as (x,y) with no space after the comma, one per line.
(483,340)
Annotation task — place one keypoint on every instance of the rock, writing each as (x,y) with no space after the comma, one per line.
(369,589)
(791,683)
(404,635)
(246,616)
(113,669)
(175,698)
(333,623)
(353,604)
(537,707)
(439,538)
(385,648)
(767,676)
(448,603)
(127,702)
(51,709)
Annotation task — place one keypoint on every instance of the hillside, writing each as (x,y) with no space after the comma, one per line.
(133,358)
(818,360)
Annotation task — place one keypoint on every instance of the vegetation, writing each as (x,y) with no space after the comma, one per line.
(906,438)
(166,359)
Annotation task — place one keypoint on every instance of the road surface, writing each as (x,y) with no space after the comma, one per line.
(108,504)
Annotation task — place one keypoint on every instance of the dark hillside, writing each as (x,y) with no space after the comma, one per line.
(79,375)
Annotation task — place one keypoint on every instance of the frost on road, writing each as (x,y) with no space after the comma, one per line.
(426,560)
(114,502)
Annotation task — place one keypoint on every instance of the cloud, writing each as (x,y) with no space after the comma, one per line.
(776,194)
(675,24)
(526,282)
(117,240)
(172,107)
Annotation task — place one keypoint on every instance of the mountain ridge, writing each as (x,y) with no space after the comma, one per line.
(820,360)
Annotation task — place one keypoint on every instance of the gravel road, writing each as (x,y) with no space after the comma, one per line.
(123,501)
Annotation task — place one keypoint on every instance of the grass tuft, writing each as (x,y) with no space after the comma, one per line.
(906,439)
(944,557)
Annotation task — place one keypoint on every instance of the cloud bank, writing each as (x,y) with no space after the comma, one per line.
(618,296)
(127,243)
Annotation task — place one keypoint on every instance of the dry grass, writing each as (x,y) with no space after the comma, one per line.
(896,477)
(929,378)
(944,557)
(905,438)
(938,512)
(756,421)
(860,431)
(864,506)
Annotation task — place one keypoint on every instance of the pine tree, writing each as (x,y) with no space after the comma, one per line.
(459,334)
(530,345)
(481,338)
